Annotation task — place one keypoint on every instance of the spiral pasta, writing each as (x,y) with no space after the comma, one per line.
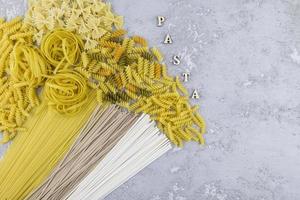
(142,84)
(21,71)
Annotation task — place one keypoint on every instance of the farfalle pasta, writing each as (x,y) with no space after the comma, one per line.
(88,18)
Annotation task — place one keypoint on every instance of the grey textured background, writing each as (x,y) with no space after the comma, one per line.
(244,56)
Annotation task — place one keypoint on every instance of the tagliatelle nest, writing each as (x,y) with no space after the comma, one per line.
(91,19)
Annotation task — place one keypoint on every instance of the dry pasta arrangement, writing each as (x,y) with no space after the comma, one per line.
(124,71)
(87,106)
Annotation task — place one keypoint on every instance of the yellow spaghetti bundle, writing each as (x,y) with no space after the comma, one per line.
(34,153)
(62,49)
(66,91)
(27,66)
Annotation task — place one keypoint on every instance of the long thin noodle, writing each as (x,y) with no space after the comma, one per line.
(141,145)
(34,154)
(101,133)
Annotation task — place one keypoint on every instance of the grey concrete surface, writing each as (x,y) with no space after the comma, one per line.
(244,57)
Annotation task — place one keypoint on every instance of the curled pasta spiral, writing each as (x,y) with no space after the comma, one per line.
(27,66)
(62,49)
(66,91)
(138,81)
(19,75)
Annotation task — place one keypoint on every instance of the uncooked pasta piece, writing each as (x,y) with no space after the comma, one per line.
(89,18)
(67,91)
(62,49)
(27,65)
(22,71)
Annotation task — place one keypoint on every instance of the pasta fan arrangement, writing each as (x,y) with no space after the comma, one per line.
(85,106)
